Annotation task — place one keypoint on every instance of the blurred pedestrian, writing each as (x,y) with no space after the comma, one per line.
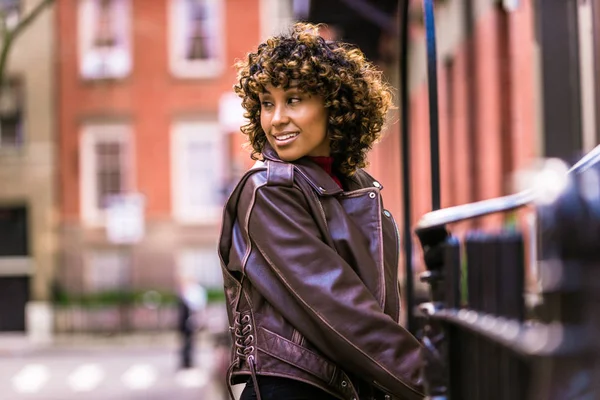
(310,256)
(192,303)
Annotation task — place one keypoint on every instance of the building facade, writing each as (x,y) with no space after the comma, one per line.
(487,105)
(28,210)
(149,127)
(517,82)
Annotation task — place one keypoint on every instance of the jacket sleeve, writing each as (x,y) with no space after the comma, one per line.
(326,300)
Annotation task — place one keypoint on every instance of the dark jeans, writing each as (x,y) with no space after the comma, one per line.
(276,388)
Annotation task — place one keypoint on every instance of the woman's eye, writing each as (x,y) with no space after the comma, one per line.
(266,104)
(294,100)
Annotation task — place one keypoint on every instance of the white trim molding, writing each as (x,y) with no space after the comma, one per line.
(16,266)
(200,30)
(104,39)
(197,158)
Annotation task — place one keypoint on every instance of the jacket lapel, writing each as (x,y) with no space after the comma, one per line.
(313,173)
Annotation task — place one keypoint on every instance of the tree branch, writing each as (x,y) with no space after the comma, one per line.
(31,16)
(10,35)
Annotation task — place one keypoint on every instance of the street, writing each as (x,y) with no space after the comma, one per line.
(112,370)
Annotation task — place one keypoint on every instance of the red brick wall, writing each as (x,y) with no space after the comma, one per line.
(522,75)
(150,97)
(510,78)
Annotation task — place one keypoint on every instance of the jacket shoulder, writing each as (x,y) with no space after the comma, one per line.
(267,173)
(366,180)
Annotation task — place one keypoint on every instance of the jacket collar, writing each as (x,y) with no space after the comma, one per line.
(311,171)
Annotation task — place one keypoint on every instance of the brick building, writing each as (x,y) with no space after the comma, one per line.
(140,84)
(517,82)
(146,115)
(487,106)
(148,122)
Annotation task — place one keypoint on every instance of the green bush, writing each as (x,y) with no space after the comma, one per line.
(126,297)
(215,295)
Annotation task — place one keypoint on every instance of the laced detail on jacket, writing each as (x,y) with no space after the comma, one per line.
(244,349)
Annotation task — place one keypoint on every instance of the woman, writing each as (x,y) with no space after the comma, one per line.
(309,255)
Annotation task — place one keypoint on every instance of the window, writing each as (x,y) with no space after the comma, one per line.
(197,157)
(106,167)
(196,38)
(11,114)
(11,13)
(104,39)
(14,232)
(276,16)
(107,270)
(201,265)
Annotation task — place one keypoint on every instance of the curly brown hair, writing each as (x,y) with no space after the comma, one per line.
(355,96)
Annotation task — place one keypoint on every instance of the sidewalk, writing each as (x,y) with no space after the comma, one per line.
(16,343)
(75,354)
(12,344)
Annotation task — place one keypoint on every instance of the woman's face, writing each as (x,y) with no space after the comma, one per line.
(295,123)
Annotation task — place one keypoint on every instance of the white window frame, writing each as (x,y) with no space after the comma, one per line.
(125,265)
(85,29)
(184,132)
(187,266)
(178,65)
(91,134)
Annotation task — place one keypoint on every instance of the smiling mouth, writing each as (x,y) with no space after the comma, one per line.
(286,137)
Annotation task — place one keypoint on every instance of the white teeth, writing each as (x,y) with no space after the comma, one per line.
(286,137)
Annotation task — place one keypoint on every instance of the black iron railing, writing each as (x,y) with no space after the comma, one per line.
(488,344)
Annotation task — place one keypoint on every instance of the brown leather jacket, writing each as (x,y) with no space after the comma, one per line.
(310,276)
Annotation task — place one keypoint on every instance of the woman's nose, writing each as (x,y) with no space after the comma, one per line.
(280,116)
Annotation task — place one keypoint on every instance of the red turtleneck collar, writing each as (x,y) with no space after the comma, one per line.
(327,164)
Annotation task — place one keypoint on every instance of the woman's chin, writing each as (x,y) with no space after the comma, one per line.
(290,159)
(288,156)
